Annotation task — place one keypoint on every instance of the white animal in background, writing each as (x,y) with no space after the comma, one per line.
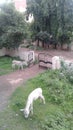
(17,63)
(13,66)
(34,95)
(24,63)
(56,62)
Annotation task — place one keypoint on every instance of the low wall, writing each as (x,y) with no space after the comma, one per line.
(24,55)
(71,46)
(10,52)
(27,56)
(2,51)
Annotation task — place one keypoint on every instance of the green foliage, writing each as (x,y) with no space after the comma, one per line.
(43,37)
(51,16)
(67,71)
(57,121)
(12,27)
(5,65)
(41,11)
(46,39)
(64,38)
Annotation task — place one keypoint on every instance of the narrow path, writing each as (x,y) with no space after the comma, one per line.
(8,83)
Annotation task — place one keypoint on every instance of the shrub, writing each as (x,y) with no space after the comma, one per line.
(64,38)
(12,27)
(42,36)
(67,71)
(46,38)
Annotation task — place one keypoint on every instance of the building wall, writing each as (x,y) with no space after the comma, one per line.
(2,51)
(10,52)
(20,5)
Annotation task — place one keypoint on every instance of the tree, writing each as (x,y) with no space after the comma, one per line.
(45,15)
(45,39)
(12,27)
(51,16)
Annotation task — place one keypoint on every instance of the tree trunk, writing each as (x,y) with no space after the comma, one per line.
(43,44)
(37,42)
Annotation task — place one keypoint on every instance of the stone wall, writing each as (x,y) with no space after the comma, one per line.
(2,51)
(27,56)
(24,55)
(10,52)
(72,46)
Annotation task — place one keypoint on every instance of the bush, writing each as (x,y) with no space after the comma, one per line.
(67,71)
(64,38)
(42,36)
(12,27)
(46,38)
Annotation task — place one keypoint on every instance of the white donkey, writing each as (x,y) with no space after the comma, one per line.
(34,95)
(19,64)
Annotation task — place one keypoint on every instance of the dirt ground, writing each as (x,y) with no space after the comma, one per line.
(9,82)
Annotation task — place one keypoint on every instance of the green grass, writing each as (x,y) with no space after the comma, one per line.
(5,65)
(56,114)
